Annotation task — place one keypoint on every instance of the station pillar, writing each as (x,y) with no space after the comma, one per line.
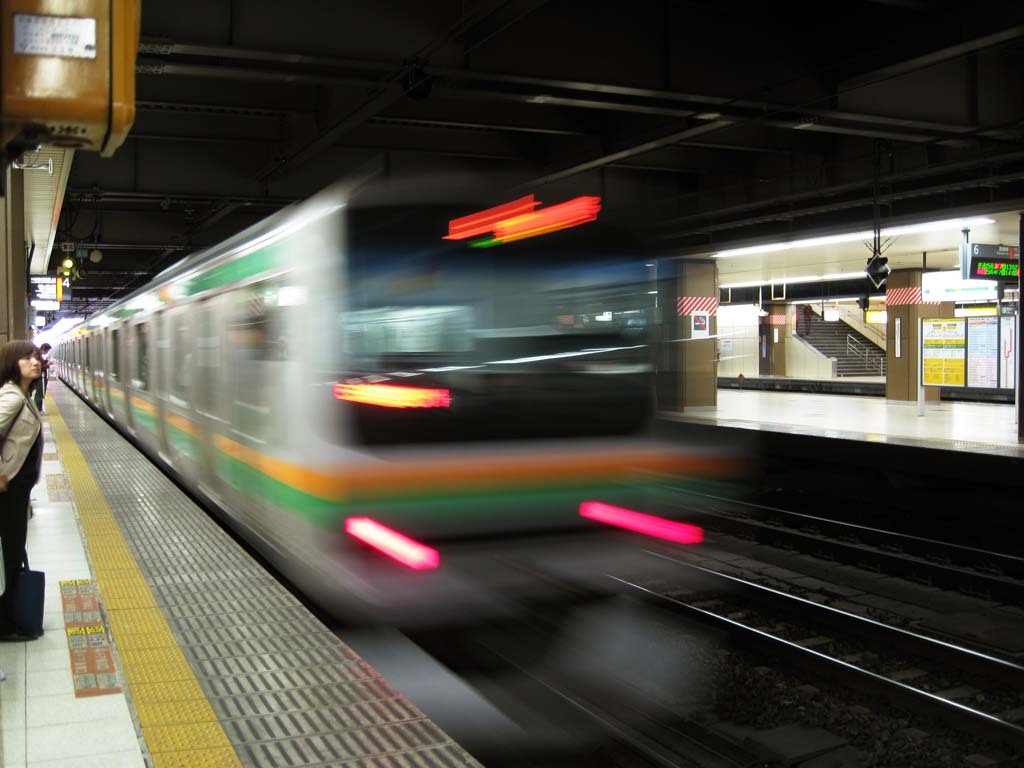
(905,309)
(696,332)
(13,264)
(772,349)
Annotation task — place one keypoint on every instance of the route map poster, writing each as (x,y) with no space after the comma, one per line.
(982,351)
(943,352)
(1008,351)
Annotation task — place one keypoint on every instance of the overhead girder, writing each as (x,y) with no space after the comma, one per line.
(955,185)
(466,83)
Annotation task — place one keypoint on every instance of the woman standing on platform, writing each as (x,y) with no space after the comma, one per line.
(21,455)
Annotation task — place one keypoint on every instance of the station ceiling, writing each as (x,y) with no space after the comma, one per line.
(705,124)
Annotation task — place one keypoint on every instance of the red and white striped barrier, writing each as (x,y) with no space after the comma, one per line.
(687,305)
(896,297)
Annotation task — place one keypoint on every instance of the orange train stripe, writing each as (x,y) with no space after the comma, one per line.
(144,405)
(185,425)
(551,468)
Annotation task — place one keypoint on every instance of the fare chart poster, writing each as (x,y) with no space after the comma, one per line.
(943,352)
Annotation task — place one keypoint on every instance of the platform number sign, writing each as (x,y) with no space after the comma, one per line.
(994,262)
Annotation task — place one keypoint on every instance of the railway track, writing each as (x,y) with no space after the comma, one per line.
(970,691)
(949,566)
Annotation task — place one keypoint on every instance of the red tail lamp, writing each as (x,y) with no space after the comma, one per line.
(483,222)
(518,220)
(410,553)
(393,395)
(571,213)
(658,527)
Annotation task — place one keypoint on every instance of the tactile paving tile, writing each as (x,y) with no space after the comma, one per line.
(285,689)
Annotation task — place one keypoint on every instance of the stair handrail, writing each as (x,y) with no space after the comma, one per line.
(855,347)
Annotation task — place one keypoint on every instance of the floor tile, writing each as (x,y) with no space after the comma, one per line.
(12,715)
(72,740)
(49,683)
(65,708)
(14,747)
(47,658)
(129,759)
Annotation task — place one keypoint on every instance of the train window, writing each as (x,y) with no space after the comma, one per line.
(141,380)
(399,331)
(88,353)
(100,357)
(258,325)
(115,355)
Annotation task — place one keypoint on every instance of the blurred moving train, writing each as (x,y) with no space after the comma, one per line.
(411,429)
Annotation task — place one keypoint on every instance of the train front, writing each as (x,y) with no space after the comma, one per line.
(492,399)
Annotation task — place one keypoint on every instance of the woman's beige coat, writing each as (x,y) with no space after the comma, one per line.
(21,425)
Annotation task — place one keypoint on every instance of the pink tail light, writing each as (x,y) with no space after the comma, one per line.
(658,527)
(393,544)
(393,396)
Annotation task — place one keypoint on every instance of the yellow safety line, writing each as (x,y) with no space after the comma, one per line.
(177,721)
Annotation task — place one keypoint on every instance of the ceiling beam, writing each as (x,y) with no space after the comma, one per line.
(627,152)
(461,83)
(387,90)
(939,56)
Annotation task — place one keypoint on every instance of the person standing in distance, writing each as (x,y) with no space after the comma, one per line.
(21,456)
(38,391)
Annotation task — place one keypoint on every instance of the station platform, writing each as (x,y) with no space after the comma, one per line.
(166,644)
(985,428)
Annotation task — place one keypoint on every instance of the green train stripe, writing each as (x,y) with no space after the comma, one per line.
(182,441)
(244,267)
(143,419)
(255,484)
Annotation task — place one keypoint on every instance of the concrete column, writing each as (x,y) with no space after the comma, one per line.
(777,328)
(697,290)
(905,310)
(1020,327)
(13,268)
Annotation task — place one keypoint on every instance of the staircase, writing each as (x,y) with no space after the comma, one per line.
(855,355)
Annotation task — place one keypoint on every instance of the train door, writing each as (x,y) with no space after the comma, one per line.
(246,451)
(117,377)
(76,372)
(90,353)
(128,363)
(181,430)
(102,365)
(145,410)
(211,377)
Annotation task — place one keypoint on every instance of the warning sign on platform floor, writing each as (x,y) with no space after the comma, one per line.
(92,659)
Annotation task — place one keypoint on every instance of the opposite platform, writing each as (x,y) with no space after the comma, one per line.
(951,426)
(221,665)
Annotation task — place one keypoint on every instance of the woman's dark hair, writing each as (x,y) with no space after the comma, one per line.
(10,354)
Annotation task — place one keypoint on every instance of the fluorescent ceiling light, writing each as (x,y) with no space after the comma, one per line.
(850,237)
(844,275)
(797,279)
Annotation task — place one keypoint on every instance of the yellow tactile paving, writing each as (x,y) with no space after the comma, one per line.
(178,738)
(177,721)
(178,712)
(145,694)
(208,758)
